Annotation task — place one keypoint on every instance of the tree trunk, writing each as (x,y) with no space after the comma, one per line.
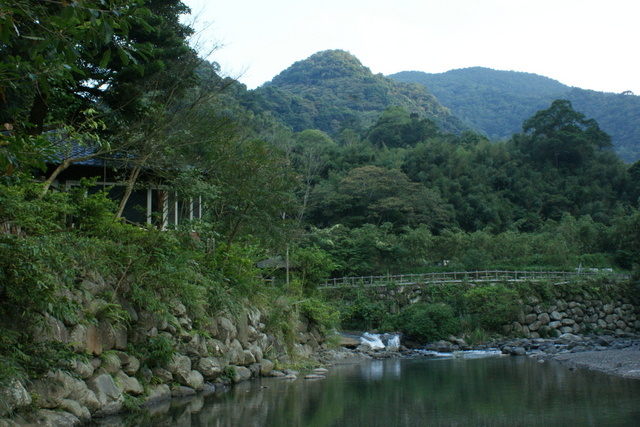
(133,177)
(38,113)
(47,184)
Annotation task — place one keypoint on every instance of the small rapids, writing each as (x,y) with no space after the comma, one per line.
(465,354)
(389,342)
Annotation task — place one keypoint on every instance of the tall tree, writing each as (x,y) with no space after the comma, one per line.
(562,137)
(89,68)
(310,157)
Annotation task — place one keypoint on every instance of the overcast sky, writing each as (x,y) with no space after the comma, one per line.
(592,44)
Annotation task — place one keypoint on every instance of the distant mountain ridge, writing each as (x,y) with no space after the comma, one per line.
(332,90)
(497,102)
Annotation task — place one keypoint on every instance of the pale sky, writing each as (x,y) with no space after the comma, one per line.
(592,44)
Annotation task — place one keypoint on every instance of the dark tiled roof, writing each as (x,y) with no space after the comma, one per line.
(74,150)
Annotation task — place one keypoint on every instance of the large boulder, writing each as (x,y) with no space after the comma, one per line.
(86,398)
(130,364)
(79,411)
(78,338)
(569,337)
(128,385)
(227,331)
(94,345)
(210,368)
(556,315)
(157,394)
(242,374)
(107,393)
(121,337)
(235,353)
(51,329)
(193,379)
(13,396)
(163,375)
(195,347)
(180,365)
(267,367)
(53,388)
(544,318)
(256,351)
(216,347)
(111,363)
(83,369)
(48,418)
(107,335)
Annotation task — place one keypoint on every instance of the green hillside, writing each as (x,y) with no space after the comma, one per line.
(497,102)
(332,90)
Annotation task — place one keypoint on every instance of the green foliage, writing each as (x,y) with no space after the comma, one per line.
(397,128)
(133,403)
(493,305)
(230,372)
(361,311)
(154,351)
(51,49)
(320,313)
(33,271)
(332,89)
(427,322)
(21,207)
(312,266)
(23,358)
(281,321)
(495,103)
(562,137)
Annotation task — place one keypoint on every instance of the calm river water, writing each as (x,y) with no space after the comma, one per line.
(494,391)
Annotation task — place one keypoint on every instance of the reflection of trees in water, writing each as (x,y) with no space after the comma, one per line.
(491,391)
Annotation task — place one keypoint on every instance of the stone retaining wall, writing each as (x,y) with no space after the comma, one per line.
(609,314)
(576,315)
(109,370)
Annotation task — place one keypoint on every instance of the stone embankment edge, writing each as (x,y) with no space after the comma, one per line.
(223,350)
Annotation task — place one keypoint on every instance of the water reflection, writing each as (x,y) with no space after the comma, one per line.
(509,391)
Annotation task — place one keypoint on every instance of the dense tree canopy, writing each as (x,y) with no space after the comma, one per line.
(496,103)
(89,67)
(340,164)
(562,137)
(332,90)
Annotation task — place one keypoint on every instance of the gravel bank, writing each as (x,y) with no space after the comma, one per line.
(620,362)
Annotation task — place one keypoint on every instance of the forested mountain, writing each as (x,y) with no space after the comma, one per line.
(496,103)
(332,91)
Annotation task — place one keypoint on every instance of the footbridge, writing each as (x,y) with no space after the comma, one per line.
(486,276)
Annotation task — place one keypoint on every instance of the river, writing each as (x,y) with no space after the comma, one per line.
(459,391)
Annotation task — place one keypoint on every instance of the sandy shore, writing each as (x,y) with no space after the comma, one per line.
(620,362)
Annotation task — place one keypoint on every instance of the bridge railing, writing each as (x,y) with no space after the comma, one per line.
(459,277)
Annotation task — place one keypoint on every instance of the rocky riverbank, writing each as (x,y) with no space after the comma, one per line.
(146,359)
(614,356)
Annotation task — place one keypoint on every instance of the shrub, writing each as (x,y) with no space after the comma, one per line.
(362,312)
(320,314)
(494,305)
(427,322)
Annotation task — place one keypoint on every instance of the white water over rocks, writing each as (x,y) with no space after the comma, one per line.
(466,354)
(389,342)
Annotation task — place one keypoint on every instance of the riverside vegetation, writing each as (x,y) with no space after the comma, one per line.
(347,172)
(106,317)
